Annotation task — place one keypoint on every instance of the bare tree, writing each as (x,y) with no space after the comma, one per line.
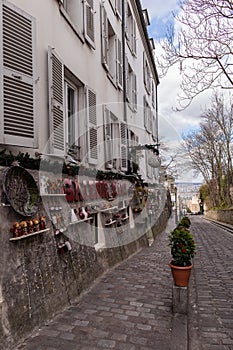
(209,148)
(203,47)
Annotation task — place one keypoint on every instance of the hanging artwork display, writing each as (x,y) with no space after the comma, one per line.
(21,191)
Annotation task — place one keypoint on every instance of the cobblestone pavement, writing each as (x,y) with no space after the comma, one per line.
(211,288)
(129,308)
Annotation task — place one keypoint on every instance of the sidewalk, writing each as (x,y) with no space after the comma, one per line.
(129,308)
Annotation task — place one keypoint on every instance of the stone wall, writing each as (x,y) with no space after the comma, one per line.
(36,282)
(221,215)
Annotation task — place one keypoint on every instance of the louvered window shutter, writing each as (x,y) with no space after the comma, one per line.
(107,138)
(127,79)
(134,91)
(144,69)
(17,79)
(145,113)
(119,64)
(92,126)
(89,30)
(104,34)
(56,104)
(123,131)
(153,93)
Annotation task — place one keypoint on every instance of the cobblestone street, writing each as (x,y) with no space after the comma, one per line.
(130,307)
(211,289)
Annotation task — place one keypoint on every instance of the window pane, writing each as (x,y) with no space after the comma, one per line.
(71,115)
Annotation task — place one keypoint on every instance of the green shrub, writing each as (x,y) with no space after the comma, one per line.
(182,246)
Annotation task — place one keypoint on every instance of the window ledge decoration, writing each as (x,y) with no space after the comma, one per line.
(21,190)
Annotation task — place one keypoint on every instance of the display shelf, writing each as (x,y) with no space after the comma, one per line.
(123,208)
(29,235)
(78,221)
(126,218)
(113,222)
(107,209)
(53,194)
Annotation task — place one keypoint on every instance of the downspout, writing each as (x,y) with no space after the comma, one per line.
(124,81)
(157,117)
(124,62)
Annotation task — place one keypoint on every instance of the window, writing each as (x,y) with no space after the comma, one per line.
(109,50)
(131,87)
(72,108)
(89,28)
(74,9)
(115,140)
(117,7)
(17,77)
(111,139)
(134,156)
(119,64)
(147,116)
(65,92)
(154,128)
(149,169)
(147,75)
(153,93)
(131,30)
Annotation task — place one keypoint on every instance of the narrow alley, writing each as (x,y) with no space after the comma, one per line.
(130,307)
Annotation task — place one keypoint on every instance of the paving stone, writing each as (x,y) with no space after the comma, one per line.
(109,344)
(130,307)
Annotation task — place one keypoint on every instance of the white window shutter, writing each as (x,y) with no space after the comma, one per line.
(127,79)
(92,126)
(144,69)
(119,64)
(56,103)
(153,93)
(89,30)
(134,91)
(107,139)
(145,113)
(104,36)
(123,134)
(17,77)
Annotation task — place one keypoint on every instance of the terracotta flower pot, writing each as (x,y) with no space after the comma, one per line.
(181,274)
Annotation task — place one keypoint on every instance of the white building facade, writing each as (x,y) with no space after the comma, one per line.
(78,77)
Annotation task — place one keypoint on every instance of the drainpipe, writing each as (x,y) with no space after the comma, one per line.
(124,79)
(124,61)
(157,117)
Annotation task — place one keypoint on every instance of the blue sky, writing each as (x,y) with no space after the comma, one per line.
(160,14)
(172,124)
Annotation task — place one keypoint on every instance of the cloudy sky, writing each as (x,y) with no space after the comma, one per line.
(172,123)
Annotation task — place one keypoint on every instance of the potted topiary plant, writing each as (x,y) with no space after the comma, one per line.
(183,249)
